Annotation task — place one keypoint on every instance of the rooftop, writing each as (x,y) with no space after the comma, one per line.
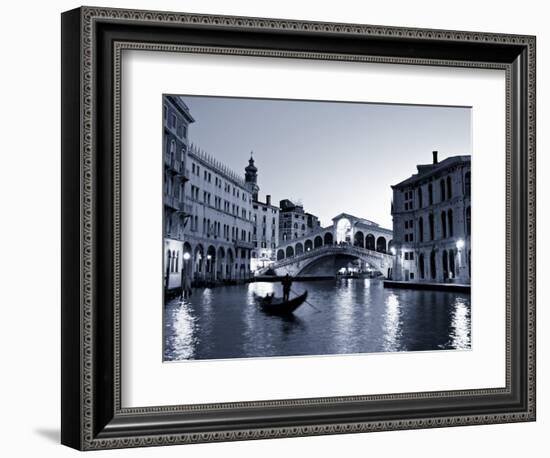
(218,166)
(427,170)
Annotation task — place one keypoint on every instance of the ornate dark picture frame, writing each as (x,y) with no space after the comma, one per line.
(92,42)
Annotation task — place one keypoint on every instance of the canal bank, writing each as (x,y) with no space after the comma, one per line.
(452,287)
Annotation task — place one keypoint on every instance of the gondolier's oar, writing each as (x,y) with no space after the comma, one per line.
(306,301)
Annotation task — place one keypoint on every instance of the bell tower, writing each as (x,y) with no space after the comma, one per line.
(251,177)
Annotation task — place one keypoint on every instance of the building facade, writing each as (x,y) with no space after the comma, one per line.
(265,235)
(432,223)
(176,121)
(219,234)
(294,222)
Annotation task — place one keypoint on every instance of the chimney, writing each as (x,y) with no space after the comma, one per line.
(268,199)
(434,153)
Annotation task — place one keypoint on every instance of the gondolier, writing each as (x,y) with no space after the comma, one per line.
(287,284)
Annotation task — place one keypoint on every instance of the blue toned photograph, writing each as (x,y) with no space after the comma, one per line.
(306,228)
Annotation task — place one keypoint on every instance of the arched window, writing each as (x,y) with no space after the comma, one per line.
(289,251)
(468,221)
(420,197)
(295,225)
(443,225)
(421,229)
(421,265)
(449,189)
(467,183)
(381,244)
(450,222)
(431,223)
(303,227)
(452,263)
(444,261)
(369,242)
(430,194)
(359,239)
(280,255)
(432,265)
(172,151)
(442,189)
(168,261)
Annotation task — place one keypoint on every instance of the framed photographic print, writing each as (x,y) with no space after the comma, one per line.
(277,228)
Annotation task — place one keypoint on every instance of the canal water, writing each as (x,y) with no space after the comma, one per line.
(357,316)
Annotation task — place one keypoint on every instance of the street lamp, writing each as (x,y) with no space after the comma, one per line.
(393,251)
(459,244)
(185,288)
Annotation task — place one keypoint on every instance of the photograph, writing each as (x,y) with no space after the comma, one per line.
(314,227)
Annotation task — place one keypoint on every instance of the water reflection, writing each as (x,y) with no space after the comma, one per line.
(392,324)
(460,325)
(357,316)
(181,340)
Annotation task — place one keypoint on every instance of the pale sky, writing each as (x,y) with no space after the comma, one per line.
(332,156)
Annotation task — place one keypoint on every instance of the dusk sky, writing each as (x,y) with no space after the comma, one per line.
(332,157)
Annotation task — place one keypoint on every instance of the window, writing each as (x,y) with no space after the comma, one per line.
(430,194)
(468,221)
(421,265)
(449,189)
(420,197)
(450,222)
(443,225)
(431,224)
(173,121)
(421,229)
(467,185)
(442,189)
(172,150)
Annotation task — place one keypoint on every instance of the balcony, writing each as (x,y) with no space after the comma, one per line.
(244,244)
(172,202)
(173,164)
(186,208)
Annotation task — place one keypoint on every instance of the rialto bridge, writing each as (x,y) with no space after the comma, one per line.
(348,238)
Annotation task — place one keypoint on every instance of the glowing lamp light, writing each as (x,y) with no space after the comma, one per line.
(460,244)
(186,256)
(393,251)
(209,257)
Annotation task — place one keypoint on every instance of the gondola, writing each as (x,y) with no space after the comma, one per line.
(276,305)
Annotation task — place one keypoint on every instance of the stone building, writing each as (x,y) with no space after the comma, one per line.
(219,234)
(265,235)
(432,223)
(294,222)
(176,121)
